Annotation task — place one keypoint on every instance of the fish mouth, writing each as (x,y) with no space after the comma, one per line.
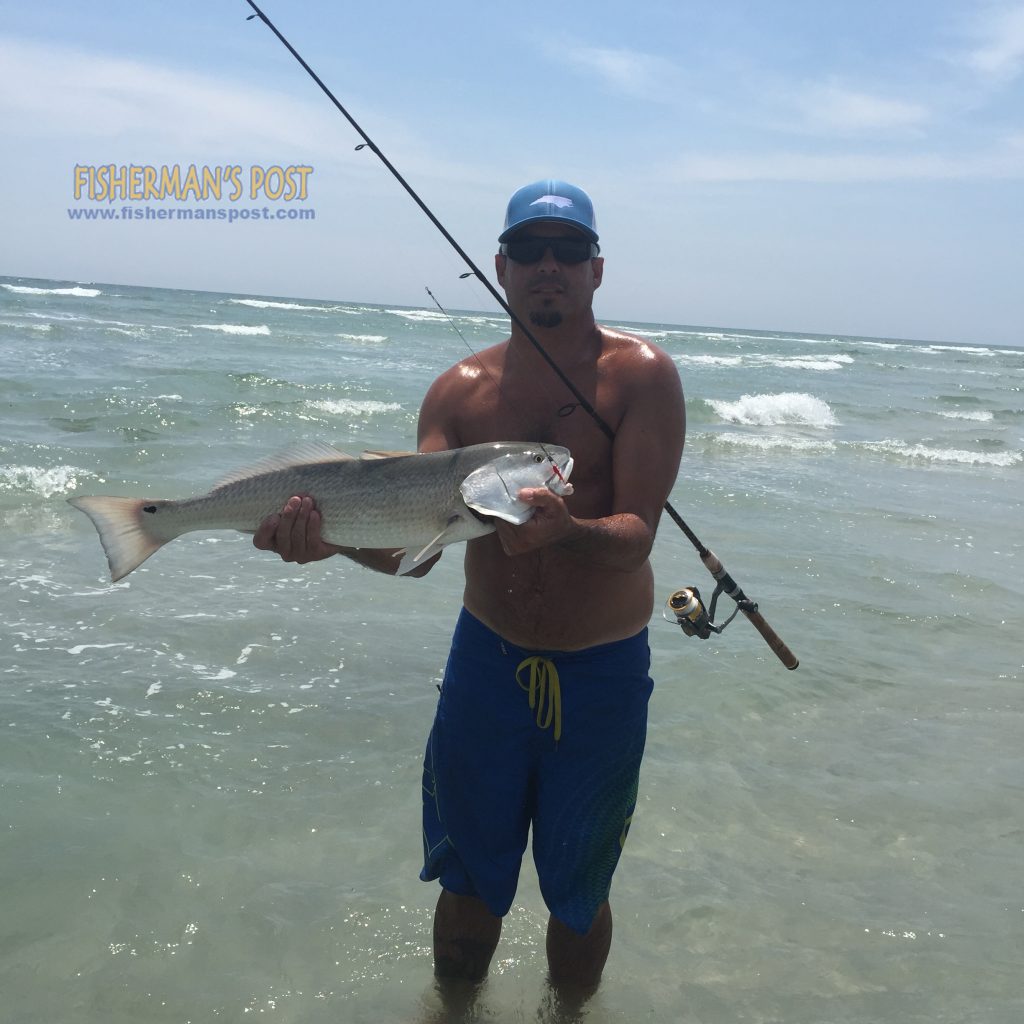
(558,481)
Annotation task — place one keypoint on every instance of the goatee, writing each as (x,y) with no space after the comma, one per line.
(546,318)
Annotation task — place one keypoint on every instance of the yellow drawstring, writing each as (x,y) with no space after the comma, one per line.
(545,692)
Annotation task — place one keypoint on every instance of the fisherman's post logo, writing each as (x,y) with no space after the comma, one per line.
(192,190)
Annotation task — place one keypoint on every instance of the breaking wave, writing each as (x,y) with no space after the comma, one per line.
(234,328)
(975,417)
(822,362)
(418,314)
(787,408)
(956,456)
(267,304)
(704,360)
(836,362)
(81,293)
(773,442)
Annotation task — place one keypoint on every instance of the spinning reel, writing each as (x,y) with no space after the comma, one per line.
(686,608)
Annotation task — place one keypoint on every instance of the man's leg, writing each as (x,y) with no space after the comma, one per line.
(576,961)
(586,794)
(465,937)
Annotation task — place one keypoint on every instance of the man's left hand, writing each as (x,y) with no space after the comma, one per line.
(549,524)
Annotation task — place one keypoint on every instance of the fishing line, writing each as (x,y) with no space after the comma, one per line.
(561,412)
(454,326)
(726,583)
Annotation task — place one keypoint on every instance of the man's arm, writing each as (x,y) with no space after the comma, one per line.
(621,542)
(645,461)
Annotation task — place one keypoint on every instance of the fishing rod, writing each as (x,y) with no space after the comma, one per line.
(685,605)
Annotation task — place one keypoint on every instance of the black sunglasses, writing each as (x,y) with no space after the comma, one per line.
(531,249)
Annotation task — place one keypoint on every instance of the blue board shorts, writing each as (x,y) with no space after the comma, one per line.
(551,739)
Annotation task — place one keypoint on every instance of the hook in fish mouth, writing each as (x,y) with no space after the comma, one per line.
(556,472)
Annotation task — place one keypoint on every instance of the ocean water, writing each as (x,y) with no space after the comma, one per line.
(210,772)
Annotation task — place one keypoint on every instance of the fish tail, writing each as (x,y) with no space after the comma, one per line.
(127,538)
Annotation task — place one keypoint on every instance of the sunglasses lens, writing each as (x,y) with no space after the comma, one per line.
(571,250)
(525,250)
(531,250)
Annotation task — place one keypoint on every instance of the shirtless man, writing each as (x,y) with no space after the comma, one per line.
(543,711)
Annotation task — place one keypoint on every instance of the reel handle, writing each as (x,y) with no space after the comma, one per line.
(774,641)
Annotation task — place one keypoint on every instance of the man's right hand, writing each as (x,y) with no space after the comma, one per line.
(294,532)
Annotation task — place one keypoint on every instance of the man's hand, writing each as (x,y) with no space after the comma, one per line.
(549,524)
(294,533)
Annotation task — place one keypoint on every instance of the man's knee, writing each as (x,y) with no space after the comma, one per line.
(465,937)
(575,961)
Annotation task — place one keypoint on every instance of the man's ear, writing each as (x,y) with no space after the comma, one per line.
(500,262)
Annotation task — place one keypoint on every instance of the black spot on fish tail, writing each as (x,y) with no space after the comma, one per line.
(149,508)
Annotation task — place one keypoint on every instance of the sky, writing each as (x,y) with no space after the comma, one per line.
(821,166)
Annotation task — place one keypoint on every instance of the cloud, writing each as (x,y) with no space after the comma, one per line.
(1005,162)
(999,53)
(831,107)
(624,71)
(74,101)
(52,91)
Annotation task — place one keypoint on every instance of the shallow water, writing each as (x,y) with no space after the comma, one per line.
(211,771)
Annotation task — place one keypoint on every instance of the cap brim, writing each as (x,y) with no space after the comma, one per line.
(547,218)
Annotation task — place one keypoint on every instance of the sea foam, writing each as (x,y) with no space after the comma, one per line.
(13,324)
(787,408)
(81,293)
(956,456)
(267,304)
(775,442)
(824,363)
(971,350)
(976,417)
(798,362)
(234,328)
(45,481)
(706,360)
(353,407)
(418,314)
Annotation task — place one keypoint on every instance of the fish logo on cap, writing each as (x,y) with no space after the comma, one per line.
(559,201)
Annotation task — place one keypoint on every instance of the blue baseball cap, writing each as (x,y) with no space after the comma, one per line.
(553,201)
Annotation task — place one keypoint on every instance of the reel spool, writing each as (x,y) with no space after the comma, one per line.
(686,609)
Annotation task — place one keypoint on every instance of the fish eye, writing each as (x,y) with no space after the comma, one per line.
(538,458)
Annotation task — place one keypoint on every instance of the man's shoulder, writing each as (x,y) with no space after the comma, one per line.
(466,372)
(633,352)
(459,388)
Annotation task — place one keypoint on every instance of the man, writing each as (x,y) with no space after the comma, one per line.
(543,711)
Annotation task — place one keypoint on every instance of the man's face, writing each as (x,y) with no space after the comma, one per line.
(548,292)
